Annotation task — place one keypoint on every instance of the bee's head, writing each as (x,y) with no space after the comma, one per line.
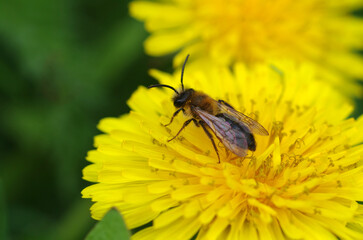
(181,98)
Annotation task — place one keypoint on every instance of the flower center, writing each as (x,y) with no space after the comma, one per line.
(256,28)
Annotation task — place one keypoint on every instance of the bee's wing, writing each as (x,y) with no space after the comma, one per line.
(254,126)
(231,138)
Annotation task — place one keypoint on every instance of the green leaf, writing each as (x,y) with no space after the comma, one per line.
(111,227)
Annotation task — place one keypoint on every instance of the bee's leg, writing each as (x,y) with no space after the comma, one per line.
(211,138)
(225,103)
(174,115)
(184,125)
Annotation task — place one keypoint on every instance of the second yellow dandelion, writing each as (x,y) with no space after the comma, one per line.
(320,32)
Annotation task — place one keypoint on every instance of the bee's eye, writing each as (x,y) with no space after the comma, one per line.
(179,103)
(182,98)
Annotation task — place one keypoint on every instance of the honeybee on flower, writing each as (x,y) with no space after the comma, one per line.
(232,128)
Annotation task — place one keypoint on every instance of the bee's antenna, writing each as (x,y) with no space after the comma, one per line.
(182,72)
(163,85)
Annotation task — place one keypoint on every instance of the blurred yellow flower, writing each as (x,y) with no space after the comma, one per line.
(302,182)
(321,32)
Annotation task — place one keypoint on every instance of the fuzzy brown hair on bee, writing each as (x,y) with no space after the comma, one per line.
(232,128)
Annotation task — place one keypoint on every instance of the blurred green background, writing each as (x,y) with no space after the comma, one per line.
(64,65)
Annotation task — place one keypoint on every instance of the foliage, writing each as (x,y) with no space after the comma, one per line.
(63,66)
(111,227)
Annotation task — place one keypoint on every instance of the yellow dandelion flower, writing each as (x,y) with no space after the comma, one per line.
(302,182)
(321,32)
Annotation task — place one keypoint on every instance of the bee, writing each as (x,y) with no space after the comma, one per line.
(232,128)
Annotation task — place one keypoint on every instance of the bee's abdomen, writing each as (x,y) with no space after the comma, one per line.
(251,143)
(243,130)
